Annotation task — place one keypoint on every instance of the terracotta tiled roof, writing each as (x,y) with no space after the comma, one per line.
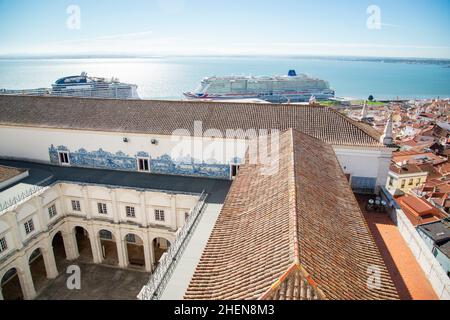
(444,168)
(418,210)
(405,169)
(431,170)
(163,117)
(417,158)
(295,234)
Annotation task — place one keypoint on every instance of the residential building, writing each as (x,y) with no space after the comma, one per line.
(405,177)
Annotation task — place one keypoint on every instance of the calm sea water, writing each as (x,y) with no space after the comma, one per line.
(167,78)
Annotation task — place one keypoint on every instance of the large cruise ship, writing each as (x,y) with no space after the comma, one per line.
(293,88)
(83,86)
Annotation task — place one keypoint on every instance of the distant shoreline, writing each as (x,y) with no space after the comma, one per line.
(431,61)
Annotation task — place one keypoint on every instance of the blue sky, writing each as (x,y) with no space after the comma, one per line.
(409,28)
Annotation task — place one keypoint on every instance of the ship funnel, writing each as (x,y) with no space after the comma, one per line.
(292,73)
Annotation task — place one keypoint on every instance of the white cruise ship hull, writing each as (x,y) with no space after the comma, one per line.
(271,97)
(293,88)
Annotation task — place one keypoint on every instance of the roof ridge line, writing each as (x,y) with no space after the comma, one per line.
(293,200)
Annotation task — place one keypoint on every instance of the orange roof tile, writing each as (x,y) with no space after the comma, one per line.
(164,117)
(418,210)
(297,233)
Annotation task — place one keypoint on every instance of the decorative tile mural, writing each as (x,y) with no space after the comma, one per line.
(95,159)
(163,165)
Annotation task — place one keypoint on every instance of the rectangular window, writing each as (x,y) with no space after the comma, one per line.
(391,181)
(143,164)
(63,157)
(130,212)
(76,205)
(186,216)
(3,244)
(102,208)
(52,211)
(411,182)
(234,170)
(159,215)
(403,183)
(418,183)
(29,226)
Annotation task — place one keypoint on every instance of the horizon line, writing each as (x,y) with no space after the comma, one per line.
(262,55)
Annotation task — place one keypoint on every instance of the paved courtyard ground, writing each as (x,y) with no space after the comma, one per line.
(408,277)
(98,282)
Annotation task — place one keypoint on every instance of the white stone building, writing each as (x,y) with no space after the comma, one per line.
(156,159)
(129,227)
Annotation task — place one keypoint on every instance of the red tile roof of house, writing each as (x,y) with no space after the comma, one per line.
(444,168)
(437,185)
(408,168)
(297,233)
(417,158)
(418,210)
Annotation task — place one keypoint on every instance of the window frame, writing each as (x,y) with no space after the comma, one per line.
(160,215)
(234,168)
(77,206)
(130,238)
(52,211)
(102,208)
(391,182)
(130,212)
(29,226)
(65,157)
(102,235)
(3,244)
(145,160)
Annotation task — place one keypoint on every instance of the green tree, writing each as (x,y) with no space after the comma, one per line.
(370,98)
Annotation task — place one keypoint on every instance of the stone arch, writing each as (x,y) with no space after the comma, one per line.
(10,284)
(38,269)
(59,248)
(160,245)
(134,245)
(83,242)
(108,246)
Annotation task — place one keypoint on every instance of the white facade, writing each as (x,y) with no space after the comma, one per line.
(367,166)
(21,242)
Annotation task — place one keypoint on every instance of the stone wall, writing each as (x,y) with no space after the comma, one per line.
(430,266)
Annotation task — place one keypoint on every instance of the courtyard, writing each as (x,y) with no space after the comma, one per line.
(98,282)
